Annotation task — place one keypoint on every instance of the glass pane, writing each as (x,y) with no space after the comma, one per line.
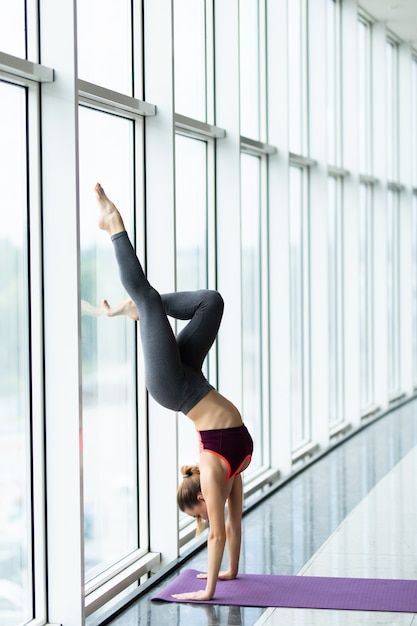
(296,74)
(392,108)
(414,285)
(251,299)
(15,469)
(108,351)
(393,291)
(190,58)
(297,303)
(364,97)
(249,69)
(191,212)
(191,248)
(333,82)
(365,295)
(335,277)
(414,123)
(104,32)
(13,27)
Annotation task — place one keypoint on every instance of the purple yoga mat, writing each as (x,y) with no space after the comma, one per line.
(312,592)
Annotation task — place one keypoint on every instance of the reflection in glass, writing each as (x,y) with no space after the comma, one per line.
(191,248)
(13,27)
(104,43)
(190,58)
(335,287)
(108,351)
(251,299)
(15,467)
(393,291)
(366,300)
(299,353)
(249,66)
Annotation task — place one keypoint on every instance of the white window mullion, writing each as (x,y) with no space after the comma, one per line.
(228,194)
(38,448)
(65,523)
(160,209)
(278,240)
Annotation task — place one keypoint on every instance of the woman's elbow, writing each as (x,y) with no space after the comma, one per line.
(218,537)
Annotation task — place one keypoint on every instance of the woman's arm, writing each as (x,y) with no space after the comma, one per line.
(216,540)
(212,482)
(234,528)
(233,531)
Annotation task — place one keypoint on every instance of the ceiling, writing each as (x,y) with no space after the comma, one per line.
(400,16)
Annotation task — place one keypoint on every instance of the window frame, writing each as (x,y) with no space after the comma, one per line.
(304,446)
(28,75)
(336,305)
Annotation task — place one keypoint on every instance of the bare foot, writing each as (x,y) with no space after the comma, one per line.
(109,216)
(127,307)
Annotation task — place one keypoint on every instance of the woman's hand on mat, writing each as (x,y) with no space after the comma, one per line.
(221,576)
(193,595)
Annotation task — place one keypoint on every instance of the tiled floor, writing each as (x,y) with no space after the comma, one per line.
(377,540)
(353,513)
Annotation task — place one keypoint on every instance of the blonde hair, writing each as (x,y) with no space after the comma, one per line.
(189,490)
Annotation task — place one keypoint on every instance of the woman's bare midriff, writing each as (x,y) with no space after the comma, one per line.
(214,411)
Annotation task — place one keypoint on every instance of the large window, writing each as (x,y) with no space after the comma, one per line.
(192,264)
(393,217)
(334,147)
(250,59)
(366,299)
(364,97)
(393,293)
(15,394)
(299,303)
(108,352)
(392,125)
(414,286)
(191,213)
(193,64)
(105,43)
(297,76)
(254,377)
(254,207)
(336,321)
(13,27)
(414,122)
(414,209)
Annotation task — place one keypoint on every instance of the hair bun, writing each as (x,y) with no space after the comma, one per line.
(189,470)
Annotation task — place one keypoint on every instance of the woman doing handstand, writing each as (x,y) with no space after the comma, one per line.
(174,378)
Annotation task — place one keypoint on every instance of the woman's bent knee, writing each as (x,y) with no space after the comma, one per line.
(215,299)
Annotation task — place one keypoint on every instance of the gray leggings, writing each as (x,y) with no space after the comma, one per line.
(172,364)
